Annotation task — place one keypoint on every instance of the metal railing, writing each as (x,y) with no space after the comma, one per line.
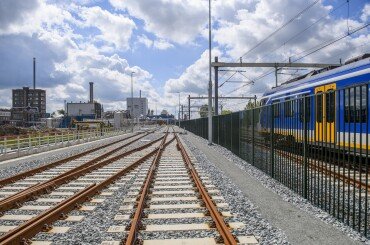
(316,145)
(26,144)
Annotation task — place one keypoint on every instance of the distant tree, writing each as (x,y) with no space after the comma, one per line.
(61,112)
(203,111)
(225,112)
(251,105)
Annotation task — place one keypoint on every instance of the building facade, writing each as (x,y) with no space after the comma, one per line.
(5,116)
(28,106)
(140,107)
(84,109)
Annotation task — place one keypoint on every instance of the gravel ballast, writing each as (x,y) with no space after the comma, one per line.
(20,165)
(285,193)
(245,210)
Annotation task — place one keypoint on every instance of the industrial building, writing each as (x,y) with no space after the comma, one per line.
(28,106)
(138,107)
(5,115)
(90,109)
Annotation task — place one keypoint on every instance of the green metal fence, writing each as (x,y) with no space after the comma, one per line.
(318,146)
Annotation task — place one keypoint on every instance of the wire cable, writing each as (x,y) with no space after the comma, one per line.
(280,28)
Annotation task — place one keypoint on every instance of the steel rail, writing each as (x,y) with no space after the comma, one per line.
(88,163)
(323,169)
(34,171)
(16,200)
(135,222)
(218,219)
(30,228)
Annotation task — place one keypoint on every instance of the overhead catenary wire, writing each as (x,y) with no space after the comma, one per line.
(317,48)
(333,41)
(305,29)
(280,28)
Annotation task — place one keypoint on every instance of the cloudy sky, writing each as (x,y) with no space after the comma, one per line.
(165,43)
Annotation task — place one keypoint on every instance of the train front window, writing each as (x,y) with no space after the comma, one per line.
(355,105)
(319,109)
(330,106)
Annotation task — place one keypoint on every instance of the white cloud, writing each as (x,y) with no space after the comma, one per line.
(194,79)
(176,20)
(115,29)
(365,13)
(156,44)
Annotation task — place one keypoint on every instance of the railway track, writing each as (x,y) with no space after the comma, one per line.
(170,195)
(34,209)
(336,171)
(80,156)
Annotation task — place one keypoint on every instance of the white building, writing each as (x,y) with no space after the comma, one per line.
(84,109)
(140,107)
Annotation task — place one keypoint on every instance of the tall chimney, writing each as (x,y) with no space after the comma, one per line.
(91,92)
(140,94)
(34,73)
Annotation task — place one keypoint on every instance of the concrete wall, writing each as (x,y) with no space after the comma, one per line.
(140,106)
(78,109)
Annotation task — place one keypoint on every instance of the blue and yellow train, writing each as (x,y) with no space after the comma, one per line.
(335,101)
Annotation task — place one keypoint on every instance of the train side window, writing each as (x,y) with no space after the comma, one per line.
(355,105)
(319,109)
(276,108)
(308,108)
(288,107)
(330,106)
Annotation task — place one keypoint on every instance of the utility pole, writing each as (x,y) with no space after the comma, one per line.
(276,76)
(189,106)
(210,76)
(179,111)
(182,112)
(132,100)
(216,87)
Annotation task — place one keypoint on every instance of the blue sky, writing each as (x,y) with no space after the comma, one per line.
(164,43)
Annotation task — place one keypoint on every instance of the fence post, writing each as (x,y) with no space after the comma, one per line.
(39,140)
(18,146)
(305,176)
(239,133)
(5,146)
(272,160)
(29,143)
(62,139)
(252,136)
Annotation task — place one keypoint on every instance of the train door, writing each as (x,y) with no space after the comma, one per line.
(325,113)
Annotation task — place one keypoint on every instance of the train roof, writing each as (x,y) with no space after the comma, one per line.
(321,76)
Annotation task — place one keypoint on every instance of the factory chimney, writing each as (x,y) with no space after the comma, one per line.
(140,94)
(91,92)
(34,73)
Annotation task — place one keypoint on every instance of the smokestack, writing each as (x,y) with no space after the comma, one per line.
(91,92)
(34,73)
(140,94)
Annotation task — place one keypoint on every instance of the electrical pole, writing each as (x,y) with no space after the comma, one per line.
(179,111)
(216,87)
(189,106)
(132,100)
(182,112)
(210,76)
